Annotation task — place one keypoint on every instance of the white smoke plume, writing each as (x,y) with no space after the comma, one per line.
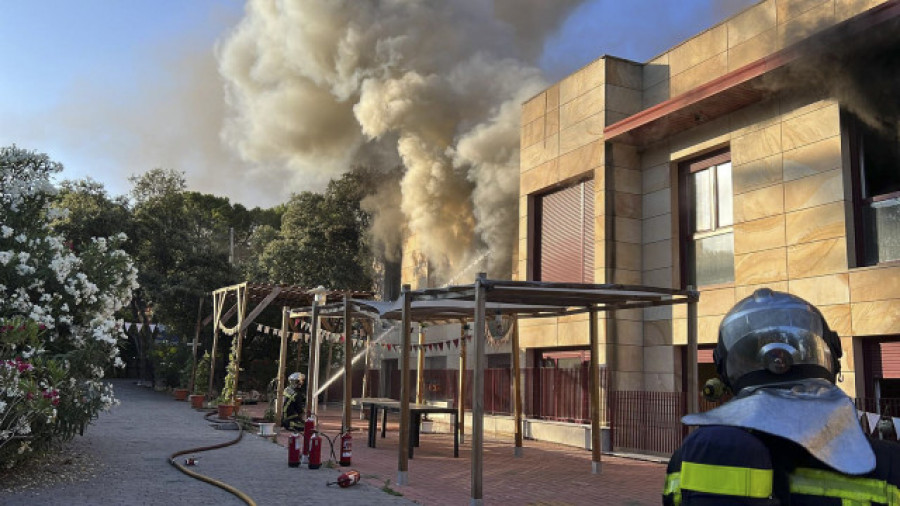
(318,85)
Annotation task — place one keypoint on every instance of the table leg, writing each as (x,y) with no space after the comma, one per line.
(412,435)
(384,413)
(418,428)
(373,425)
(455,435)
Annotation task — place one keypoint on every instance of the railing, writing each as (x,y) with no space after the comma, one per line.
(647,421)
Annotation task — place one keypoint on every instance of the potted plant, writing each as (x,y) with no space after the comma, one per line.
(227,399)
(201,379)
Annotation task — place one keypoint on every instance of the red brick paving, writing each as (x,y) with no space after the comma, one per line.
(546,474)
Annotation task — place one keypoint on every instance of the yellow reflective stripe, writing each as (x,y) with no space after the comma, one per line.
(673,487)
(849,489)
(726,480)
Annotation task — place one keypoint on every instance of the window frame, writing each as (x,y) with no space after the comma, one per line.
(859,202)
(688,235)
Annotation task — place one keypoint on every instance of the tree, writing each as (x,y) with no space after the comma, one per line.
(90,212)
(322,240)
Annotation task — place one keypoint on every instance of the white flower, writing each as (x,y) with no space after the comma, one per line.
(5,257)
(5,231)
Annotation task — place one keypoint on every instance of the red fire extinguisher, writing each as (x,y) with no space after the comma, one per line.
(315,451)
(347,479)
(308,428)
(346,449)
(294,450)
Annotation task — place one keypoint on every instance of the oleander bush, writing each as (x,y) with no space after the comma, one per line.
(58,330)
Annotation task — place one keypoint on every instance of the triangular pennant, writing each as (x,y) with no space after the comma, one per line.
(896,422)
(456,342)
(872,418)
(152,327)
(127,325)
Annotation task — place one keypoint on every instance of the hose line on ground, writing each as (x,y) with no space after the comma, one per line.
(242,496)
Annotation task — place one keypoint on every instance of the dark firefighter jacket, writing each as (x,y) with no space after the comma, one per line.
(727,466)
(294,406)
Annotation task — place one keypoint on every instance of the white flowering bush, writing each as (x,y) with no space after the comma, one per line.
(57,309)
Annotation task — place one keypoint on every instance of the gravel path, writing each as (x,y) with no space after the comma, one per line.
(123,459)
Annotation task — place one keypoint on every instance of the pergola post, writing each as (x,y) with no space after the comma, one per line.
(403,457)
(461,395)
(282,360)
(478,396)
(243,299)
(517,384)
(348,365)
(312,366)
(420,364)
(218,302)
(693,390)
(596,435)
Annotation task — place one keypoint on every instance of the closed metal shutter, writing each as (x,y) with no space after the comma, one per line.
(890,359)
(705,355)
(881,360)
(567,234)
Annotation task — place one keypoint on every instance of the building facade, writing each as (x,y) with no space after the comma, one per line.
(762,152)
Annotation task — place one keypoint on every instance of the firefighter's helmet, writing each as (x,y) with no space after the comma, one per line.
(296,378)
(775,337)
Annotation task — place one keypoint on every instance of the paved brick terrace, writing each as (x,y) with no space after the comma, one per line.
(545,474)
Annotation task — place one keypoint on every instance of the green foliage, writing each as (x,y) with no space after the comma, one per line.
(169,361)
(229,389)
(322,239)
(201,375)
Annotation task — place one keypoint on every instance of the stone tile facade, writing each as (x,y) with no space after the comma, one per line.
(791,194)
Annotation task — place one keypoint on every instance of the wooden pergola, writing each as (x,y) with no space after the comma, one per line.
(530,299)
(240,297)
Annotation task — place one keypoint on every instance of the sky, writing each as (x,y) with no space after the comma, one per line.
(114,88)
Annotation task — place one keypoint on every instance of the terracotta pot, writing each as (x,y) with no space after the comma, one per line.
(197,401)
(181,394)
(225,411)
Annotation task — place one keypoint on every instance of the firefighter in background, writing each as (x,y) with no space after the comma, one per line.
(790,435)
(294,403)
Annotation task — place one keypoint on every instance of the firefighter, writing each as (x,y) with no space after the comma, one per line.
(294,403)
(789,435)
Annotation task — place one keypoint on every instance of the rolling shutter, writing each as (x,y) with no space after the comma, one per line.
(567,234)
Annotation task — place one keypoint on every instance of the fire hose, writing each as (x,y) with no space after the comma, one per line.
(244,497)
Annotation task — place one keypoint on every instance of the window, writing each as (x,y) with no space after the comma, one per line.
(563,224)
(875,166)
(708,218)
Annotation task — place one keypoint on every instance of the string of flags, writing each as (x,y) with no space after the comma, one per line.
(334,337)
(139,326)
(869,421)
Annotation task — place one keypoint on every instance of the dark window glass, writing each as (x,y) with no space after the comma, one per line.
(710,246)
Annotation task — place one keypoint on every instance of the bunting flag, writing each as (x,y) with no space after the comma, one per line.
(259,327)
(872,418)
(896,424)
(139,326)
(127,325)
(456,343)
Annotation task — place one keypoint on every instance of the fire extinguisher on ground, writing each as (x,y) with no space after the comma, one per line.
(346,449)
(315,450)
(347,479)
(294,450)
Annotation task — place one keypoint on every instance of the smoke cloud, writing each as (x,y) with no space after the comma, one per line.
(320,85)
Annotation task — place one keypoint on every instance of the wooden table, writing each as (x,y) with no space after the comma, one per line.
(415,410)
